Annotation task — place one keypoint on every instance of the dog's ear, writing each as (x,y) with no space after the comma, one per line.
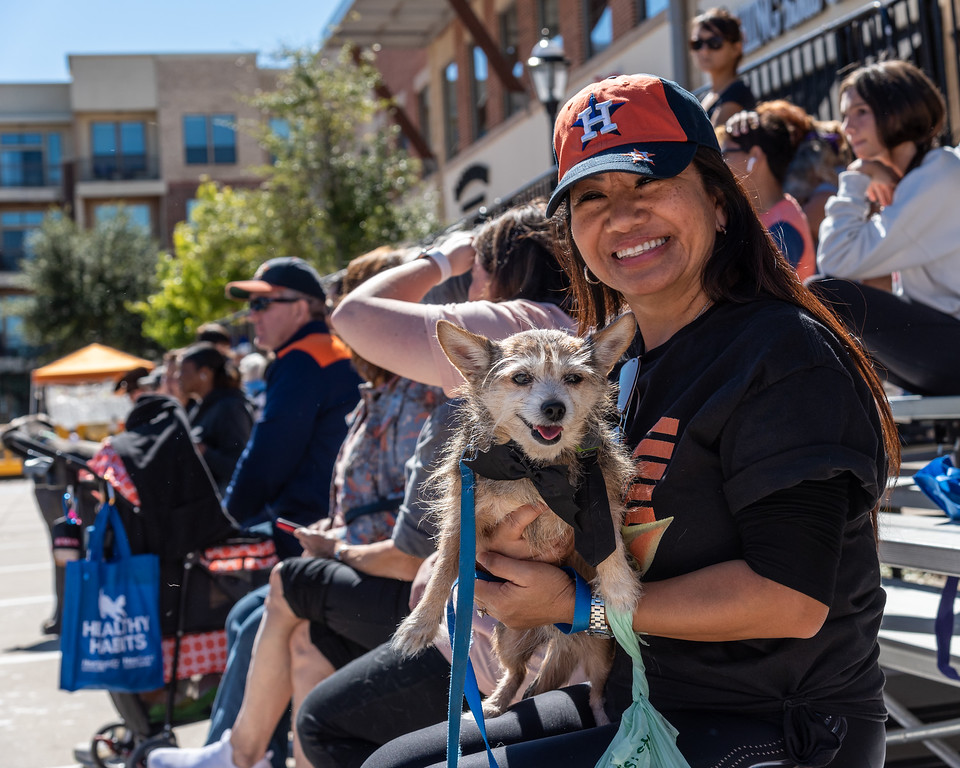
(611,342)
(471,353)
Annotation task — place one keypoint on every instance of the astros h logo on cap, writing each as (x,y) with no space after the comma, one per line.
(639,124)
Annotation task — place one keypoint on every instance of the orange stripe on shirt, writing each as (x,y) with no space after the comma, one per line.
(322,347)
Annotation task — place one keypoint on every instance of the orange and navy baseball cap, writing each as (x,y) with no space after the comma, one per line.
(281,272)
(639,124)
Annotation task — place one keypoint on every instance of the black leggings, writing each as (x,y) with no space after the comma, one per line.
(556,729)
(914,346)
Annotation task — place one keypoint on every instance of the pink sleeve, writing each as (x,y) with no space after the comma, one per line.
(493,320)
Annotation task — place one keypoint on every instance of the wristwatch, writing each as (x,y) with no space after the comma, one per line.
(598,617)
(338,551)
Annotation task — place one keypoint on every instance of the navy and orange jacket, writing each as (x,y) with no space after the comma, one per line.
(286,468)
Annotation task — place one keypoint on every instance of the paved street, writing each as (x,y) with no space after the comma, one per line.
(39,724)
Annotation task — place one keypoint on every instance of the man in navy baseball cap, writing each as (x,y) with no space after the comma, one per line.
(282,272)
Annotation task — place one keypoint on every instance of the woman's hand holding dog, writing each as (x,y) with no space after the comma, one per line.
(533,595)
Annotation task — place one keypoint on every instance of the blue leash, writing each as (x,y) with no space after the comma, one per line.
(463,679)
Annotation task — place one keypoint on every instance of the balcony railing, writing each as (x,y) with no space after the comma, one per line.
(809,70)
(118,168)
(28,173)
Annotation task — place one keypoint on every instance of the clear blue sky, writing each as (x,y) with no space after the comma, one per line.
(39,34)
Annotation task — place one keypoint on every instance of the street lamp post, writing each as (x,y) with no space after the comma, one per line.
(548,67)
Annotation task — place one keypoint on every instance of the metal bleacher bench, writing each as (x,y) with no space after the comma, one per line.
(908,409)
(926,540)
(907,644)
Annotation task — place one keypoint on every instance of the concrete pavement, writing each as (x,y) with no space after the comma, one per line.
(39,724)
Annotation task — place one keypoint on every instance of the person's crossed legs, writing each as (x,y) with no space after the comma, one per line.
(348,613)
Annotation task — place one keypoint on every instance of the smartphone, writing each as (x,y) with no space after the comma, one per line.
(287,525)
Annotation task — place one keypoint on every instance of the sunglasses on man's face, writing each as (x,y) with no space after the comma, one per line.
(714,43)
(262,303)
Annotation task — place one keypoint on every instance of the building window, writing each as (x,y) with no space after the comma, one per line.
(450,118)
(15,226)
(29,159)
(138,214)
(513,101)
(119,150)
(12,340)
(478,86)
(209,139)
(599,26)
(647,9)
(548,12)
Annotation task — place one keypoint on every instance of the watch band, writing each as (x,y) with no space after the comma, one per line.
(598,617)
(338,551)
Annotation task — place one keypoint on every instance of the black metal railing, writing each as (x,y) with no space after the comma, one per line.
(809,70)
(118,168)
(27,173)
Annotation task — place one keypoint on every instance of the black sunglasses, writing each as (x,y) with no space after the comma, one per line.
(714,43)
(261,303)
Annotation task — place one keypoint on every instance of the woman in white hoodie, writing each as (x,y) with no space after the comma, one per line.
(893,228)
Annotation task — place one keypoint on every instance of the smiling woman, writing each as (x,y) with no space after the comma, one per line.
(767,566)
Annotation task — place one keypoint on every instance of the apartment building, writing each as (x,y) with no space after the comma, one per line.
(474,109)
(137,130)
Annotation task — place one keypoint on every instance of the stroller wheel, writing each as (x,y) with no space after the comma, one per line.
(112,745)
(138,758)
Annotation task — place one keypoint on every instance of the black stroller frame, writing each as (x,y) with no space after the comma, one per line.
(129,741)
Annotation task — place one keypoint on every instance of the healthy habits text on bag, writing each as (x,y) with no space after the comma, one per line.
(111,631)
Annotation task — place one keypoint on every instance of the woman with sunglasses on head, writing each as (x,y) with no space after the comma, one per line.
(717,45)
(762,439)
(895,215)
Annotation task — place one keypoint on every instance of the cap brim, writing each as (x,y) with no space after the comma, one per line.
(657,160)
(244,289)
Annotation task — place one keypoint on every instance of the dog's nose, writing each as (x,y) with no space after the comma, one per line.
(553,410)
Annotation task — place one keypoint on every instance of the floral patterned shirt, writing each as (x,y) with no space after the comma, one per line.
(368,476)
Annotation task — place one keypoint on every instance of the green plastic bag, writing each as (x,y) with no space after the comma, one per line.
(645,738)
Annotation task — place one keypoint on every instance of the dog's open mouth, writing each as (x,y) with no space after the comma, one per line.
(547,433)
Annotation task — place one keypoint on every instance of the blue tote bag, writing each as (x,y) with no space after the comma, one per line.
(110,636)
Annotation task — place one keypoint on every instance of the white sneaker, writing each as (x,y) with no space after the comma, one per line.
(219,755)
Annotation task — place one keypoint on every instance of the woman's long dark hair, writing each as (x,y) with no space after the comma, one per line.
(745,265)
(519,250)
(204,354)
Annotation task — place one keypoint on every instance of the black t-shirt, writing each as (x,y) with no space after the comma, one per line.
(743,403)
(738,92)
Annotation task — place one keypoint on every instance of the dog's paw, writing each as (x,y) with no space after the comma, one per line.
(619,586)
(412,638)
(599,714)
(491,709)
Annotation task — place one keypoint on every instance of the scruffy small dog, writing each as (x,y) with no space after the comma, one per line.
(546,392)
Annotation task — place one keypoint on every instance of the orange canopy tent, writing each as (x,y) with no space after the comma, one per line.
(95,362)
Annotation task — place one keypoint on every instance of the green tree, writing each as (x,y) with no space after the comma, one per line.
(84,283)
(230,233)
(340,186)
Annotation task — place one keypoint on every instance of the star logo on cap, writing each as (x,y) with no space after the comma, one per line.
(639,156)
(597,119)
